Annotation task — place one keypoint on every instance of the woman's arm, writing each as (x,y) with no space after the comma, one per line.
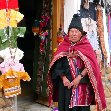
(76,81)
(66,82)
(83,73)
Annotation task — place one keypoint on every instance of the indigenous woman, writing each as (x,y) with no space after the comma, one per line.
(74,78)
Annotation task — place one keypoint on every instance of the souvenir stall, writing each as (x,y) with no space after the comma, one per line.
(12,71)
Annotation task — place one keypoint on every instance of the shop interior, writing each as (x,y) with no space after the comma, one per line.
(31,10)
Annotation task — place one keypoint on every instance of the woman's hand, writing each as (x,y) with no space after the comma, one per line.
(75,82)
(66,82)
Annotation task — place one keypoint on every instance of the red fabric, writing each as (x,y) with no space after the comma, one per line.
(12,4)
(85,51)
(81,96)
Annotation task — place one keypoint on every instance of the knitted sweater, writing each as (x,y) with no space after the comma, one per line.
(10,82)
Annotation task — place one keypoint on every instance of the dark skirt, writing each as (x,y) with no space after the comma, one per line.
(64,96)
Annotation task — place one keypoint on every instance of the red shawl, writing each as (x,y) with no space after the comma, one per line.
(86,53)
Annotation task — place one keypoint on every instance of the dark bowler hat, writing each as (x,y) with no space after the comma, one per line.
(76,23)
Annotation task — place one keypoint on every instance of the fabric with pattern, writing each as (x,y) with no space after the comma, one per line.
(10,82)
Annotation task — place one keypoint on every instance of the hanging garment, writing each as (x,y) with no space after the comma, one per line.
(11,63)
(10,82)
(90,12)
(12,36)
(8,53)
(10,18)
(100,30)
(8,4)
(89,25)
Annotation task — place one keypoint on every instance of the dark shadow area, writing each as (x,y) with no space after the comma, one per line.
(31,10)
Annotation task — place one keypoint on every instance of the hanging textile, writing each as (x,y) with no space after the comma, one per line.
(6,38)
(100,30)
(89,25)
(10,18)
(71,7)
(89,12)
(106,37)
(8,4)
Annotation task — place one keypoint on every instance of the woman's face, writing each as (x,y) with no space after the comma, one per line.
(74,35)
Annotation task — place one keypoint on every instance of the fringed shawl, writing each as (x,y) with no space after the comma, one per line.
(85,51)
